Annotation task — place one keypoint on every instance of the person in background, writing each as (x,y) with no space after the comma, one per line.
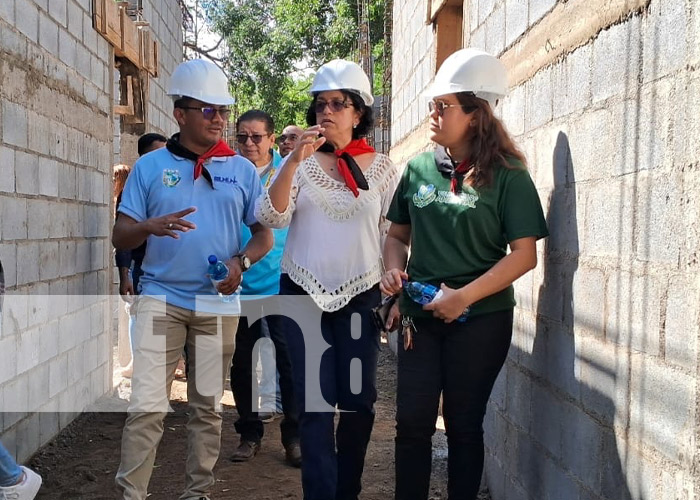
(189,201)
(458,209)
(129,261)
(288,139)
(333,193)
(255,138)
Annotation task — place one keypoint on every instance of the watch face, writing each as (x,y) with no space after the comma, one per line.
(245,262)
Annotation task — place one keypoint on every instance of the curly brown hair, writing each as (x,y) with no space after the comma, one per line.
(490,145)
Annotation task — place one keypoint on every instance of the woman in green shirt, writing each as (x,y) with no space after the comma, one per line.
(457,209)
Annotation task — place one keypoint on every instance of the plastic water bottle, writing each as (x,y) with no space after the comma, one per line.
(425,293)
(217,273)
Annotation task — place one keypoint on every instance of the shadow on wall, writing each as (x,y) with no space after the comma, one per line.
(571,421)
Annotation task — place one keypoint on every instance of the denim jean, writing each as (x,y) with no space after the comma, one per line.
(333,460)
(460,361)
(249,425)
(10,472)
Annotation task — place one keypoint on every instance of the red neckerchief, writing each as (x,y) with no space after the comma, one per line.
(217,150)
(349,169)
(462,168)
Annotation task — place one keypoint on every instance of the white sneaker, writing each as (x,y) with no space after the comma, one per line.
(25,489)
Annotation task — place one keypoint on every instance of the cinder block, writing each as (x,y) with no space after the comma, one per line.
(58,375)
(28,21)
(67,50)
(74,15)
(48,177)
(14,124)
(662,409)
(58,219)
(558,483)
(27,263)
(642,479)
(67,181)
(48,33)
(83,61)
(633,312)
(681,325)
(39,219)
(607,231)
(16,399)
(519,398)
(514,111)
(546,423)
(7,170)
(38,387)
(485,8)
(561,359)
(28,351)
(27,173)
(478,38)
(76,365)
(516,19)
(49,255)
(589,302)
(28,431)
(67,256)
(83,258)
(529,464)
(49,422)
(539,101)
(90,37)
(658,225)
(7,12)
(582,444)
(616,56)
(665,35)
(48,347)
(496,30)
(572,82)
(58,10)
(538,8)
(8,358)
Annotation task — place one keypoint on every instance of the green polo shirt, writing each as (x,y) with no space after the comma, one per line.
(455,238)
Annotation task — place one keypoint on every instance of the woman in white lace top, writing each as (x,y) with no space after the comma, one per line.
(333,191)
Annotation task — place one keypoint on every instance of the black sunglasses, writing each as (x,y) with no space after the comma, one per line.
(336,105)
(209,112)
(441,106)
(256,138)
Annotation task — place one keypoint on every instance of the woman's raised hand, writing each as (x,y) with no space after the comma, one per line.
(308,144)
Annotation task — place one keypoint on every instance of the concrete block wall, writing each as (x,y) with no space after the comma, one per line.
(599,398)
(56,153)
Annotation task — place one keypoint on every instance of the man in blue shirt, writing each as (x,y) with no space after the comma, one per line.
(255,137)
(188,200)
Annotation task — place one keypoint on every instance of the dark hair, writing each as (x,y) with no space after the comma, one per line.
(366,113)
(490,144)
(182,101)
(259,115)
(147,140)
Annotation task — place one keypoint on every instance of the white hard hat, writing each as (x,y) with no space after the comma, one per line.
(202,80)
(471,70)
(340,74)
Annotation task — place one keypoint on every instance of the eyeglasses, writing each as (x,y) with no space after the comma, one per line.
(209,112)
(256,138)
(336,105)
(441,106)
(291,137)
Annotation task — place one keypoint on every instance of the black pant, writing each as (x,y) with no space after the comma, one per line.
(333,460)
(249,425)
(461,361)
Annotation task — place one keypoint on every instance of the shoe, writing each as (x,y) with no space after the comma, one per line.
(246,451)
(26,489)
(292,453)
(269,416)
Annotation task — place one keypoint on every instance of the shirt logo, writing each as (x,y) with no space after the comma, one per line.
(171,177)
(226,180)
(425,196)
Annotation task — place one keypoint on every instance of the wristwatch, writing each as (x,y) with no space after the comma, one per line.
(244,260)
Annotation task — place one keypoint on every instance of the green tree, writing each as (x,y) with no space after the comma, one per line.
(274,45)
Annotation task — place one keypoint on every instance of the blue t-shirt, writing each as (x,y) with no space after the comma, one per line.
(263,278)
(162,183)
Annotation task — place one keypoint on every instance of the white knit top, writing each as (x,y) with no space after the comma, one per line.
(333,248)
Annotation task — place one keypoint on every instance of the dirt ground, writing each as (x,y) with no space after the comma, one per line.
(80,463)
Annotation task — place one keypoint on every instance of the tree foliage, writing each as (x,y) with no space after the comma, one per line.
(275,45)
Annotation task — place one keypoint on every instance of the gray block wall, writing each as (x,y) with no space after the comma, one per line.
(56,154)
(599,396)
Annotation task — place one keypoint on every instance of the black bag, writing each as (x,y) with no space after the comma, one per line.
(380,313)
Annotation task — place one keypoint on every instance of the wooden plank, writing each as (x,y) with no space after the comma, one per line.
(128,108)
(130,38)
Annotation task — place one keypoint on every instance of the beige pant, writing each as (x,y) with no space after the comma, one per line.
(160,335)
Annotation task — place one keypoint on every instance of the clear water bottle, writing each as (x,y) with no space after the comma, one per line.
(218,272)
(425,293)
